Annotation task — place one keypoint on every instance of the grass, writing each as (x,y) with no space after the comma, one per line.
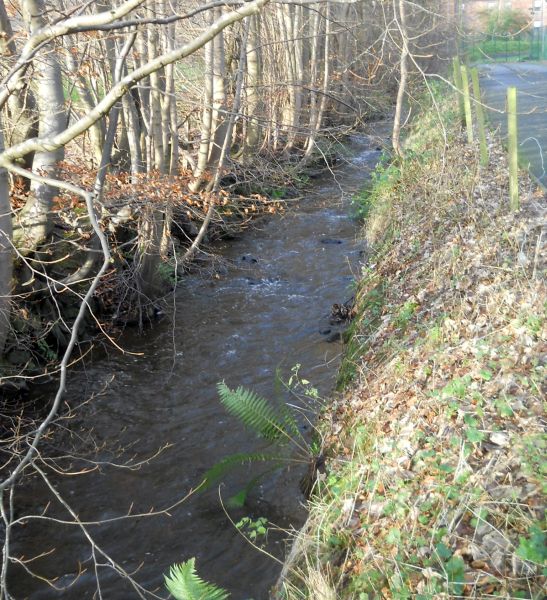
(491,50)
(436,479)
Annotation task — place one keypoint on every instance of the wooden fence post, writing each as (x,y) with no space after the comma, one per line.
(480,115)
(457,73)
(512,146)
(467,104)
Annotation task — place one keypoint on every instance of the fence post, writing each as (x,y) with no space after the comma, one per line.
(458,83)
(480,115)
(467,104)
(512,146)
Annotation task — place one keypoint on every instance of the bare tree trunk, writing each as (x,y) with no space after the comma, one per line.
(220,122)
(97,130)
(290,115)
(155,133)
(169,131)
(343,57)
(223,153)
(403,75)
(316,122)
(152,220)
(6,257)
(207,117)
(34,221)
(252,138)
(21,106)
(314,79)
(144,105)
(133,126)
(169,105)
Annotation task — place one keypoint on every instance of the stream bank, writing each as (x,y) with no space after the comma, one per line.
(436,483)
(267,308)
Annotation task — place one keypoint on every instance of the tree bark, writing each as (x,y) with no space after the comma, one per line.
(403,75)
(86,102)
(206,118)
(155,133)
(319,111)
(6,257)
(22,123)
(252,138)
(34,221)
(81,125)
(220,122)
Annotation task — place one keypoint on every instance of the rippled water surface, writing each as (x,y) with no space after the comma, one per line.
(268,309)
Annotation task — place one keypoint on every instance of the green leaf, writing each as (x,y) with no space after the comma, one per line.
(474,435)
(533,548)
(446,468)
(393,537)
(455,569)
(231,462)
(486,374)
(443,551)
(257,414)
(184,583)
(237,500)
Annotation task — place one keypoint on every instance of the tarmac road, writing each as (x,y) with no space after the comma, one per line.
(531,81)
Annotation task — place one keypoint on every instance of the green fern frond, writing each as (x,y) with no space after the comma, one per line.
(229,463)
(290,424)
(185,584)
(255,413)
(238,500)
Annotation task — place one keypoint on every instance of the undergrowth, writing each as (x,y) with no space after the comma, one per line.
(436,483)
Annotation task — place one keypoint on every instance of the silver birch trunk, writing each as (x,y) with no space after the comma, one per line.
(252,139)
(290,117)
(133,126)
(318,117)
(403,75)
(6,257)
(314,60)
(220,122)
(207,117)
(155,133)
(34,221)
(144,104)
(21,123)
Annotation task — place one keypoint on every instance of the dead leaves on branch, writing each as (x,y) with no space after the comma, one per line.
(126,191)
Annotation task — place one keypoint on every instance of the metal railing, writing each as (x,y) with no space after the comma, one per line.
(530,45)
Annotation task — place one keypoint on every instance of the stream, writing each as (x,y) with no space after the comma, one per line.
(266,308)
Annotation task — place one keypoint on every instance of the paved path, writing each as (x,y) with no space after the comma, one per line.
(531,82)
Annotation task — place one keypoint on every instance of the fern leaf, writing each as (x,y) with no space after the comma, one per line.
(254,412)
(238,500)
(229,463)
(290,424)
(185,584)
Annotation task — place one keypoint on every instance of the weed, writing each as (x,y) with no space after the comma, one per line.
(167,272)
(533,548)
(405,314)
(253,529)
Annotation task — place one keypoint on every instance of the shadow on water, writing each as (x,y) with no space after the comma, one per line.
(268,309)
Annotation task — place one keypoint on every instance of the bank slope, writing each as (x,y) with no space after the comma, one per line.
(436,484)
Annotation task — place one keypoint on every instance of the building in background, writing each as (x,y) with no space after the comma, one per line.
(472,11)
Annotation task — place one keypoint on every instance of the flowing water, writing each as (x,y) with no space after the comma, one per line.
(266,309)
